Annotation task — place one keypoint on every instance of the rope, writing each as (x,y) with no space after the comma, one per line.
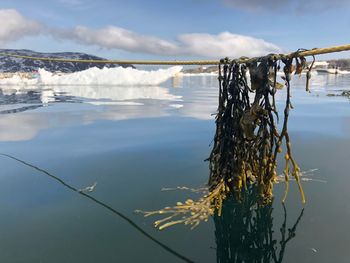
(304,53)
(315,51)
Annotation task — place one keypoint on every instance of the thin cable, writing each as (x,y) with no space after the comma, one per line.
(132,223)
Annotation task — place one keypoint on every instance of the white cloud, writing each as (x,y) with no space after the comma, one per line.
(225,44)
(15,26)
(207,45)
(113,37)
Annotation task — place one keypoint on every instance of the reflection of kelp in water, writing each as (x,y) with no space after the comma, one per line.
(244,231)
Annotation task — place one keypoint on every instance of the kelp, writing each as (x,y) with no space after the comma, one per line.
(247,140)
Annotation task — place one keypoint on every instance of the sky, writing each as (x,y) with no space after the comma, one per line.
(177,29)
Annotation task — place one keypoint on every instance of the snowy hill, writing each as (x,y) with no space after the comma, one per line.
(12,64)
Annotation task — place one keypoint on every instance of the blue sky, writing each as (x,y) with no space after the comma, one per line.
(177,29)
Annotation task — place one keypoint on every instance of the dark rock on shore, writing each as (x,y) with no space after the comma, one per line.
(13,64)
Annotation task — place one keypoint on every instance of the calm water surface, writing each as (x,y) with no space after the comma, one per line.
(133,141)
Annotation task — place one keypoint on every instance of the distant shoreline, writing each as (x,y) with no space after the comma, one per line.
(340,64)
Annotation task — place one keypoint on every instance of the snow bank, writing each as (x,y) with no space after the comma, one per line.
(96,76)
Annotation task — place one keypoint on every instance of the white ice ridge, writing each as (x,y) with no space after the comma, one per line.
(95,76)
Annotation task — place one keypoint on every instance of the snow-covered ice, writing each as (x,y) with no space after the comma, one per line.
(95,76)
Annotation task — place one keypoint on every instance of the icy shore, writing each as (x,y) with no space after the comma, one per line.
(95,76)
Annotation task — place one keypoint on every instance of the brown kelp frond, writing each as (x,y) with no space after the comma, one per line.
(247,140)
(191,212)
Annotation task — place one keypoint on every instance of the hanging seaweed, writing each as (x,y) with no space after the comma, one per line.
(247,140)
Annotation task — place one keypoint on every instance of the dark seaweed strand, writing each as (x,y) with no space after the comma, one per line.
(247,141)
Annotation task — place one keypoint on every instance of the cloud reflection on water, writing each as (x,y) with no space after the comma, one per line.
(99,103)
(27,110)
